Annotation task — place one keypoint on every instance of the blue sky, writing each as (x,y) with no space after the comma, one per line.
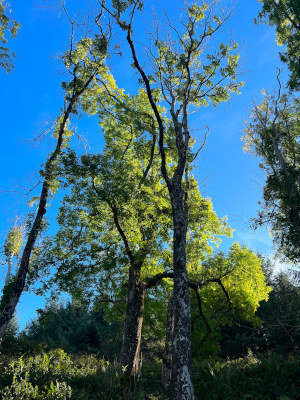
(31,97)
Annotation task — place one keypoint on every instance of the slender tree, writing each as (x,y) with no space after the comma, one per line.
(83,61)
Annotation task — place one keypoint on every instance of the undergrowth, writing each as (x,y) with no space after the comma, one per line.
(54,375)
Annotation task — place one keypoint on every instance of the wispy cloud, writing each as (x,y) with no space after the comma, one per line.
(259,240)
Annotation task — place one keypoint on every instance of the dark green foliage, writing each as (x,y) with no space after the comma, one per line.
(285,16)
(280,330)
(75,328)
(273,135)
(237,339)
(6,293)
(10,340)
(271,377)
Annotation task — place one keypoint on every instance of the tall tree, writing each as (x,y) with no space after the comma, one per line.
(123,183)
(84,62)
(285,16)
(273,135)
(185,76)
(118,218)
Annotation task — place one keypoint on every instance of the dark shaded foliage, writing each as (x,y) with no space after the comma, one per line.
(75,328)
(279,330)
(284,15)
(270,377)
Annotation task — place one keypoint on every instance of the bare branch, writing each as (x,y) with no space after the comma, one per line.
(201,147)
(201,314)
(151,152)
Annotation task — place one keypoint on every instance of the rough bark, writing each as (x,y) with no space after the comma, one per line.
(167,354)
(182,386)
(132,331)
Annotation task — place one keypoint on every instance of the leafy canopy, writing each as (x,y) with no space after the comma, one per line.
(118,188)
(285,16)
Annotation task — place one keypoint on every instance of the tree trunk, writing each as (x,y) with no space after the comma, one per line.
(13,293)
(132,331)
(182,385)
(167,354)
